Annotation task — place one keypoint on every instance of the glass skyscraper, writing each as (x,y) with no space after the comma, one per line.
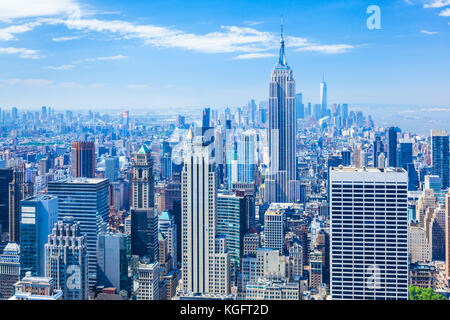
(86,200)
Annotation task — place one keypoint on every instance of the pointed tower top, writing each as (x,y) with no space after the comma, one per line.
(190,135)
(282,57)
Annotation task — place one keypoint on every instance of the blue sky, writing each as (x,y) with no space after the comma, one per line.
(170,54)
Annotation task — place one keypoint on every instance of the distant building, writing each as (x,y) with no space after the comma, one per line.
(83,159)
(19,189)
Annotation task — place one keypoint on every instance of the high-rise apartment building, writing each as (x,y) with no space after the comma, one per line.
(86,200)
(83,159)
(369,233)
(66,259)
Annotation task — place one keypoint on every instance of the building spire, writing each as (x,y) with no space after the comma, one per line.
(282,58)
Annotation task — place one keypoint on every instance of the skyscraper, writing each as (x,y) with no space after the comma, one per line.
(112,168)
(369,235)
(231,223)
(440,156)
(246,163)
(144,217)
(19,189)
(113,254)
(323,97)
(205,264)
(273,229)
(66,259)
(143,180)
(280,183)
(6,176)
(392,147)
(83,159)
(86,200)
(38,216)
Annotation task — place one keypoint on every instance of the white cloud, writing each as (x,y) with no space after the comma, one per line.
(61,39)
(22,52)
(13,9)
(253,56)
(437,4)
(229,39)
(445,13)
(328,49)
(117,57)
(60,68)
(8,33)
(428,32)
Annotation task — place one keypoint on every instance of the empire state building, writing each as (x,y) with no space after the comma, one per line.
(281,184)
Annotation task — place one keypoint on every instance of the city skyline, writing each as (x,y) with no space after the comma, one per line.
(92,54)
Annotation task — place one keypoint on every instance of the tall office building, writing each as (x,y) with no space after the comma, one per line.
(246,160)
(274,229)
(38,216)
(369,233)
(300,113)
(167,226)
(378,148)
(19,189)
(281,183)
(231,223)
(66,259)
(440,156)
(447,237)
(9,270)
(112,168)
(143,180)
(406,154)
(144,217)
(86,200)
(392,147)
(83,159)
(6,177)
(113,254)
(144,233)
(323,97)
(205,264)
(148,279)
